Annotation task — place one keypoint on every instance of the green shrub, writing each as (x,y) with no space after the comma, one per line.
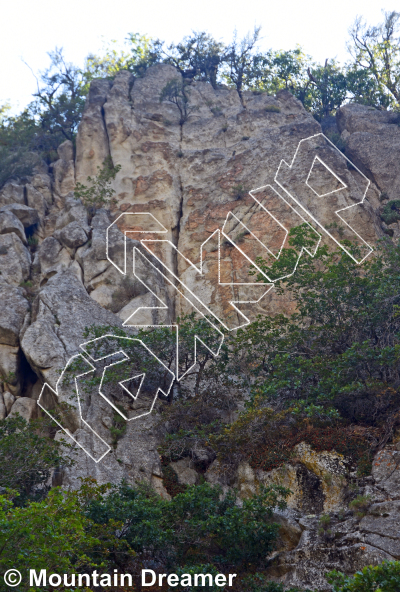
(391,211)
(336,139)
(324,524)
(380,578)
(118,428)
(272,109)
(211,529)
(27,457)
(239,190)
(360,504)
(99,193)
(55,534)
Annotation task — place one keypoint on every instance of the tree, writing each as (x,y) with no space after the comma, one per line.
(50,119)
(376,50)
(162,341)
(59,102)
(363,88)
(285,70)
(242,63)
(17,156)
(328,89)
(28,457)
(3,110)
(56,535)
(339,351)
(177,92)
(197,57)
(141,52)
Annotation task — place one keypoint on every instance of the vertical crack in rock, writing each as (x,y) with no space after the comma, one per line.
(103,116)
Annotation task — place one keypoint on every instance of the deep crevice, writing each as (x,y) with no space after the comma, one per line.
(28,376)
(103,117)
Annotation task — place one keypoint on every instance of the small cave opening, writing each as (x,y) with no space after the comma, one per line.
(28,376)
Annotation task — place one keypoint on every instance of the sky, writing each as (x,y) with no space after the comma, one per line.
(31,28)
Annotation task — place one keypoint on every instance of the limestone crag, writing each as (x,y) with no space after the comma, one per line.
(191,175)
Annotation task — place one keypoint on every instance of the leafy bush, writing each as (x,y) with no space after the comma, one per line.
(267,440)
(55,534)
(360,504)
(239,191)
(327,360)
(139,53)
(99,193)
(315,373)
(391,211)
(324,524)
(380,578)
(211,529)
(27,457)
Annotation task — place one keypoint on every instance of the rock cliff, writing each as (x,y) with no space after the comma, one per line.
(193,175)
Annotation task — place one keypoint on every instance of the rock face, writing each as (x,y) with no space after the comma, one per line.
(372,142)
(317,480)
(194,178)
(184,187)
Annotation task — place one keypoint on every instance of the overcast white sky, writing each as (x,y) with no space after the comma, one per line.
(30,28)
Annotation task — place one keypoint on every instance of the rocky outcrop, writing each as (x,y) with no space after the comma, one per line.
(321,529)
(373,142)
(191,176)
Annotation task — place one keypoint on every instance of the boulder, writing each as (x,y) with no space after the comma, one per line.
(386,472)
(9,368)
(65,150)
(15,259)
(3,410)
(12,193)
(36,200)
(26,215)
(25,407)
(158,486)
(64,174)
(53,258)
(72,235)
(10,223)
(93,257)
(12,313)
(185,472)
(8,399)
(42,183)
(73,211)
